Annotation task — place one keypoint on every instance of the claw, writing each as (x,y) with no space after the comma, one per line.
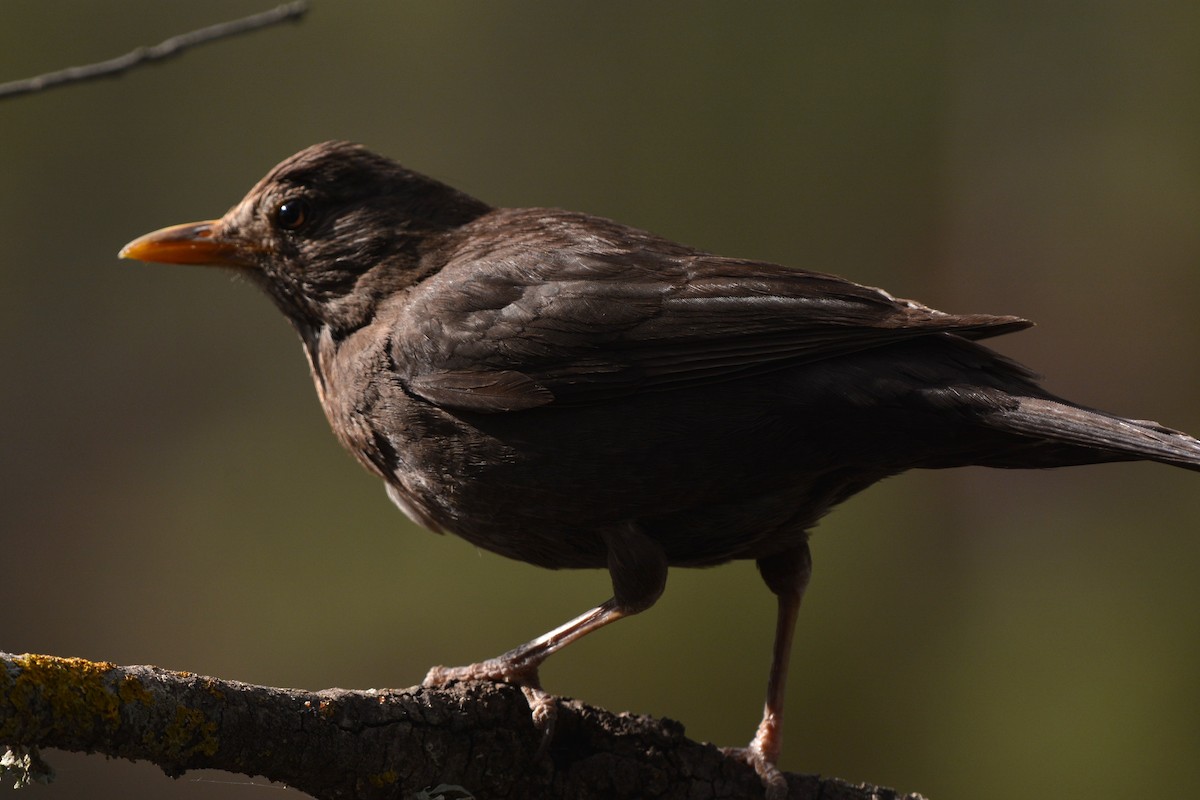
(542,705)
(519,667)
(773,780)
(544,709)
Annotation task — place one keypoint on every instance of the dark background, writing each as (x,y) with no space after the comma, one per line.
(170,493)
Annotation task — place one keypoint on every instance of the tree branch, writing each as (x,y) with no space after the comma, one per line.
(366,745)
(143,55)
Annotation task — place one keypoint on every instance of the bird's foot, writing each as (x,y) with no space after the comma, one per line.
(511,671)
(772,777)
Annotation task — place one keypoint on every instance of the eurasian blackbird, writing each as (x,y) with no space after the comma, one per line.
(572,392)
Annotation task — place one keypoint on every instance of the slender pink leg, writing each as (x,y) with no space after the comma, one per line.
(787,576)
(519,666)
(639,572)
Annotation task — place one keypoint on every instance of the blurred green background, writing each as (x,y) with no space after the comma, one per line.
(170,493)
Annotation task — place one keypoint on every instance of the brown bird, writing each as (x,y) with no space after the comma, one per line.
(572,392)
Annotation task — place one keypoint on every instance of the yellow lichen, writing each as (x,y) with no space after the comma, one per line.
(84,698)
(76,690)
(189,733)
(383,779)
(132,690)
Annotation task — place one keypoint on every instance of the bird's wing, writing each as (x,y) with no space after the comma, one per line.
(569,327)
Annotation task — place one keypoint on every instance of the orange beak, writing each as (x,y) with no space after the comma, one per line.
(193,243)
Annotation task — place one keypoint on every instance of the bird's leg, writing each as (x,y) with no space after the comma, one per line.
(638,568)
(786,574)
(519,666)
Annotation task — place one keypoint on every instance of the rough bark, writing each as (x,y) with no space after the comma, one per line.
(393,744)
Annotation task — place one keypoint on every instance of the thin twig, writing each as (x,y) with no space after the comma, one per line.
(142,55)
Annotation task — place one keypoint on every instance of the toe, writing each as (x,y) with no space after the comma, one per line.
(496,669)
(773,780)
(542,705)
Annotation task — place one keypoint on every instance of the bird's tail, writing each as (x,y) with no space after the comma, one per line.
(1083,435)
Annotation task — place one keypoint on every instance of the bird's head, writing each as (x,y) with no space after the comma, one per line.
(327,233)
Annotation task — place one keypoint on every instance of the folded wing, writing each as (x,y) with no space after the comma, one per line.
(577,326)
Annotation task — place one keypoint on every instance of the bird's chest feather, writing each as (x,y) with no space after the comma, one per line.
(431,460)
(542,485)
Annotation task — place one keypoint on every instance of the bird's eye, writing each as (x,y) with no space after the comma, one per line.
(292,214)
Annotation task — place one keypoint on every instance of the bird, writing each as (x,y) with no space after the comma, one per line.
(572,392)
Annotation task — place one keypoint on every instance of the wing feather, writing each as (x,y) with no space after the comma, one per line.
(541,318)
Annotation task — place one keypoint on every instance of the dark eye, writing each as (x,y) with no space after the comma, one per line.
(292,214)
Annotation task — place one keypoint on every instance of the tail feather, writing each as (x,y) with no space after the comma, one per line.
(1109,437)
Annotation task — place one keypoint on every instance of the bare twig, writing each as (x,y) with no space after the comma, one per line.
(372,745)
(143,55)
